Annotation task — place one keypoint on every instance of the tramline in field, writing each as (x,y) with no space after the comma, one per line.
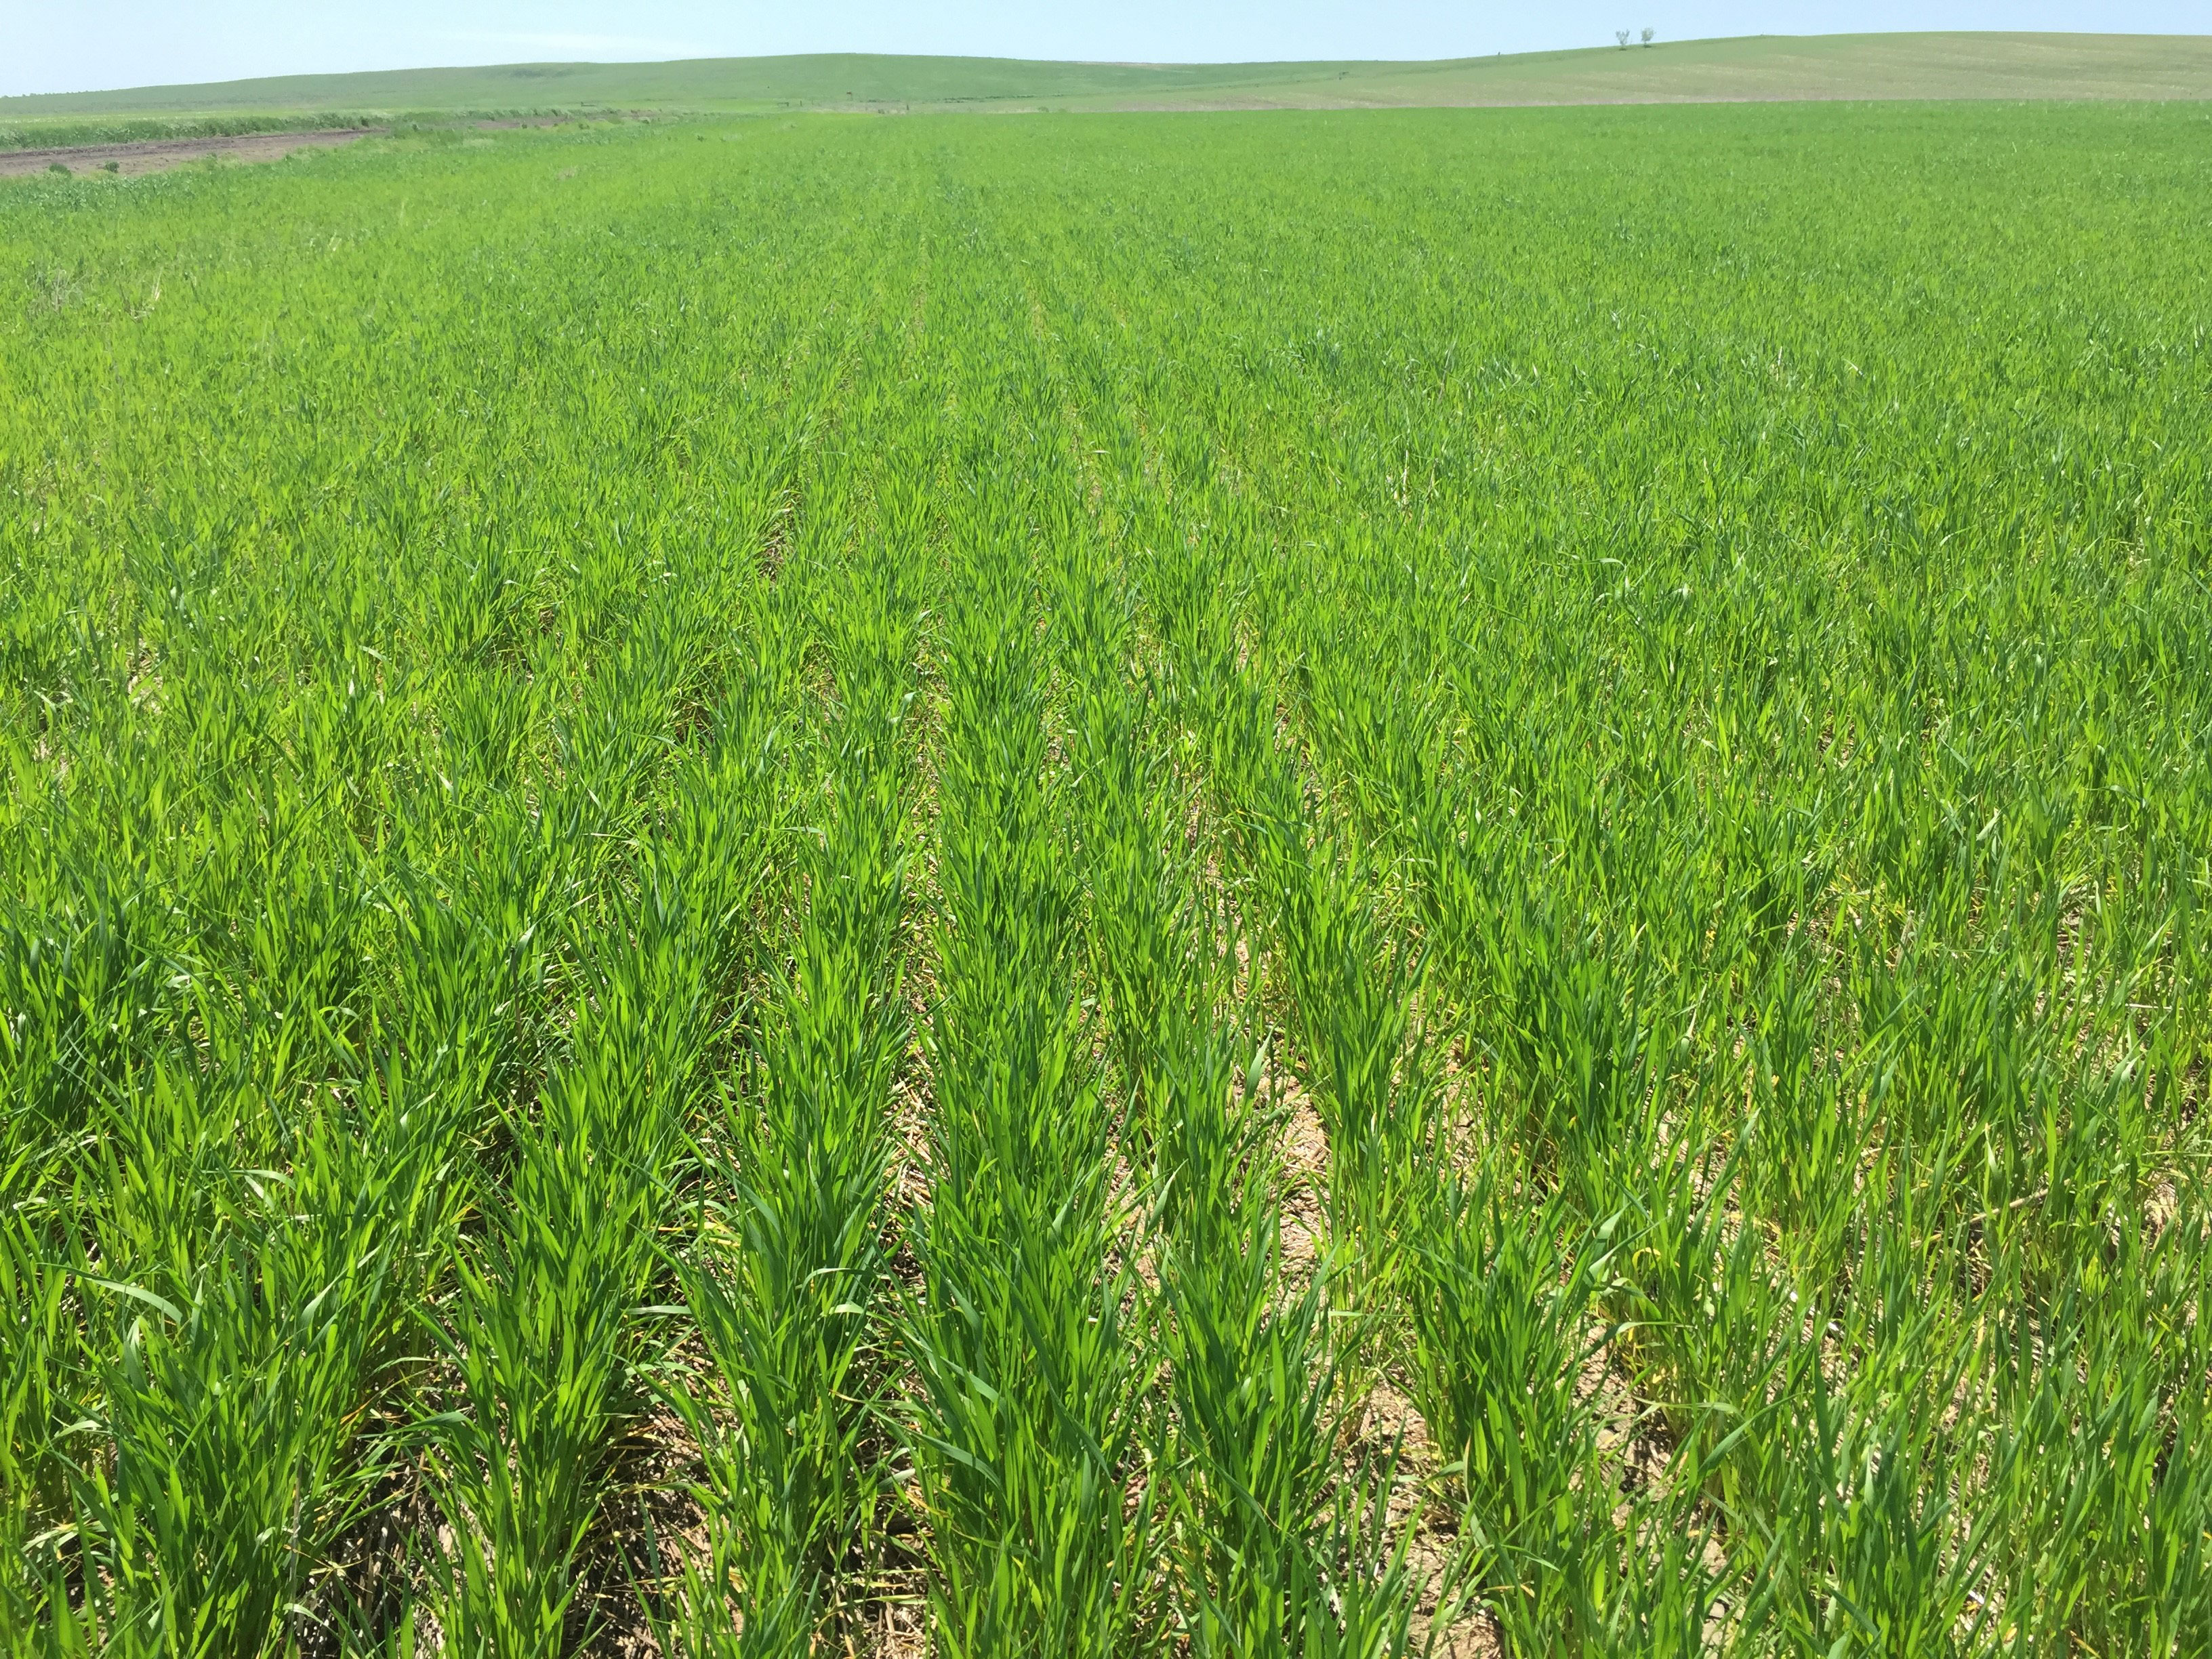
(1326,885)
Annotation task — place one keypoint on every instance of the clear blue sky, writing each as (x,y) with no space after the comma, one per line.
(72,45)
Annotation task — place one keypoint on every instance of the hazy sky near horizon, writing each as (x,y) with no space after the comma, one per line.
(74,46)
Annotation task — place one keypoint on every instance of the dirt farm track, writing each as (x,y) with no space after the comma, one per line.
(152,154)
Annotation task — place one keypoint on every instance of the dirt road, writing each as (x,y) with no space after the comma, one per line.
(152,154)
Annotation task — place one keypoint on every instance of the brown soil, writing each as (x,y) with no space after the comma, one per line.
(152,154)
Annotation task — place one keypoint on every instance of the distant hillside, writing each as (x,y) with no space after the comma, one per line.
(1762,67)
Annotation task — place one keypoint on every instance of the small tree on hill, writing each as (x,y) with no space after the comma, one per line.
(1648,34)
(1621,36)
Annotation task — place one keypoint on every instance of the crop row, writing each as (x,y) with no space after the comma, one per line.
(1406,881)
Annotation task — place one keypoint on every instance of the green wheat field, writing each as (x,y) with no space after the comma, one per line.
(1235,884)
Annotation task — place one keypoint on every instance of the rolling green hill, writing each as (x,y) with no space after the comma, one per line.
(1764,67)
